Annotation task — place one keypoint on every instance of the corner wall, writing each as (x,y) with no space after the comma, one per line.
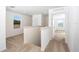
(2,28)
(10,31)
(39,20)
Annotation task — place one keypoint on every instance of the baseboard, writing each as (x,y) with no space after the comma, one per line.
(1,50)
(14,35)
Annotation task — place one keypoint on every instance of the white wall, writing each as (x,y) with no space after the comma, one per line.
(10,31)
(32,35)
(2,28)
(73,28)
(67,27)
(46,36)
(50,17)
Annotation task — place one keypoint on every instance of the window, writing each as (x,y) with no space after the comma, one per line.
(60,23)
(17,21)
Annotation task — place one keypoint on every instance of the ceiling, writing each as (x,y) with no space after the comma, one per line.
(30,10)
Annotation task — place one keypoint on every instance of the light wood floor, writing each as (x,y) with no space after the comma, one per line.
(15,44)
(57,46)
